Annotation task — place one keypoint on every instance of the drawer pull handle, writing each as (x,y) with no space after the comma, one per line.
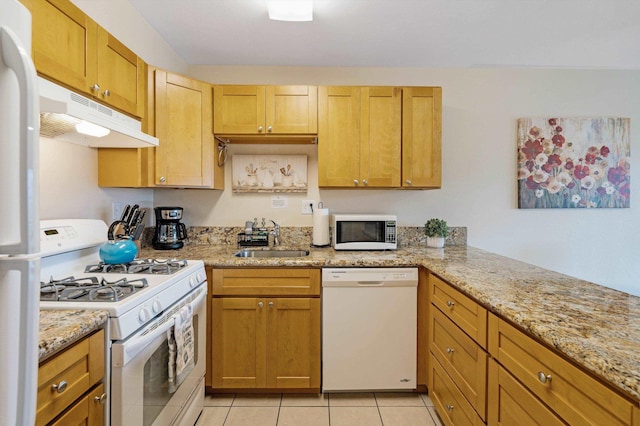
(449,350)
(271,304)
(544,378)
(60,387)
(100,399)
(260,304)
(450,303)
(449,407)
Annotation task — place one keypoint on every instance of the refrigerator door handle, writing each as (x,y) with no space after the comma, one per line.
(19,60)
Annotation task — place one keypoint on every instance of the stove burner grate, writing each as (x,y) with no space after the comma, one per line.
(90,289)
(140,266)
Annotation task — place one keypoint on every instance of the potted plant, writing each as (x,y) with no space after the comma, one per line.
(436,231)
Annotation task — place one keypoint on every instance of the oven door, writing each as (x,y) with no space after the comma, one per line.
(140,372)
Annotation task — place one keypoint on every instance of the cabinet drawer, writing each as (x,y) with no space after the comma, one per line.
(578,398)
(72,372)
(510,403)
(451,405)
(462,358)
(461,309)
(271,282)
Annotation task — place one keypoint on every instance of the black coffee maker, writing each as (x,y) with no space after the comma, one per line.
(169,230)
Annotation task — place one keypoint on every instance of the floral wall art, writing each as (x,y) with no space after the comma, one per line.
(573,163)
(269,173)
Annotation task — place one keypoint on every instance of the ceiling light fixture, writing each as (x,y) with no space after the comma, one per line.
(91,129)
(290,10)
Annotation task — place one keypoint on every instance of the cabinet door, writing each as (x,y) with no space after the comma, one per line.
(421,137)
(239,110)
(510,403)
(184,157)
(64,43)
(380,136)
(238,345)
(339,136)
(291,109)
(87,411)
(120,75)
(293,343)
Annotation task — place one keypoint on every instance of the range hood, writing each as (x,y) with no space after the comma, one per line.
(61,110)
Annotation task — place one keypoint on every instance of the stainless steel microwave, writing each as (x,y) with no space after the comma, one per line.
(364,232)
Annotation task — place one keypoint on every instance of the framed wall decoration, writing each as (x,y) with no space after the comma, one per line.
(573,162)
(269,173)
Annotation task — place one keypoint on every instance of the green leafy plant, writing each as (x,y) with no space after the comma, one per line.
(436,228)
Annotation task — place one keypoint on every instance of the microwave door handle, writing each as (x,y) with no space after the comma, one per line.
(18,59)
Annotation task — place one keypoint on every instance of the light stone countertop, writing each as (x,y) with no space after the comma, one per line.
(597,327)
(61,328)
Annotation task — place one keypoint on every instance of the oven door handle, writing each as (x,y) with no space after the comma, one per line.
(125,352)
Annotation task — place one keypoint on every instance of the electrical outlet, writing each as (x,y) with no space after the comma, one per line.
(117,210)
(306,206)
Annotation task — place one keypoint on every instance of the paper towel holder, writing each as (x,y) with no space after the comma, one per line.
(317,232)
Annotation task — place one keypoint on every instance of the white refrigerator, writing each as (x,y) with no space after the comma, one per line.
(19,218)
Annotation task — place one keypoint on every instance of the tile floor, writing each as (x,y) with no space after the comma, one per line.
(333,409)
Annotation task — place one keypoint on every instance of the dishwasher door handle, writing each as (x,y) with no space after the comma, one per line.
(370,283)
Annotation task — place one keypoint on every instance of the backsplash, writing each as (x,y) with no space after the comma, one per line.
(301,236)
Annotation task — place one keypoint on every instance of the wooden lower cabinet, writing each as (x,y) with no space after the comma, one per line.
(261,342)
(576,397)
(510,403)
(451,405)
(70,382)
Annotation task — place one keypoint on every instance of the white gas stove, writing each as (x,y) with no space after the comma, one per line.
(149,301)
(73,277)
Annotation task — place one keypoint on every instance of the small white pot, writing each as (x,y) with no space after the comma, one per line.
(437,242)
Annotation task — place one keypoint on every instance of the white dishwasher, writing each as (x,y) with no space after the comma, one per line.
(369,328)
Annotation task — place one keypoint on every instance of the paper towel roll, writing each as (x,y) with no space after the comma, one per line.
(321,227)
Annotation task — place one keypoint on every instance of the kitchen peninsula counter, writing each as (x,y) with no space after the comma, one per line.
(595,326)
(61,328)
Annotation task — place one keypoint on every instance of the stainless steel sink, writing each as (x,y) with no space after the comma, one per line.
(271,253)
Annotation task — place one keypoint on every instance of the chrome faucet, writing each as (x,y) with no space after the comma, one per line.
(276,233)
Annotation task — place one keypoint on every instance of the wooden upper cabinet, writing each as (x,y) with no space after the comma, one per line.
(338,136)
(63,42)
(380,135)
(265,110)
(120,75)
(183,120)
(421,137)
(390,140)
(71,48)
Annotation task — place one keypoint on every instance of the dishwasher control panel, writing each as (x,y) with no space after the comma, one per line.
(364,276)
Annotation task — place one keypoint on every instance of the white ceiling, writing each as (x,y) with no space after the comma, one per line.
(404,33)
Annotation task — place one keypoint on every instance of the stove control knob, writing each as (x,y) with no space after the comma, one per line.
(198,276)
(143,315)
(156,306)
(193,281)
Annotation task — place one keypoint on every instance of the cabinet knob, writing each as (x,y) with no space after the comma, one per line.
(95,87)
(355,182)
(100,399)
(544,378)
(269,129)
(163,179)
(106,93)
(271,304)
(449,407)
(365,181)
(260,128)
(260,304)
(449,350)
(408,181)
(60,387)
(450,303)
